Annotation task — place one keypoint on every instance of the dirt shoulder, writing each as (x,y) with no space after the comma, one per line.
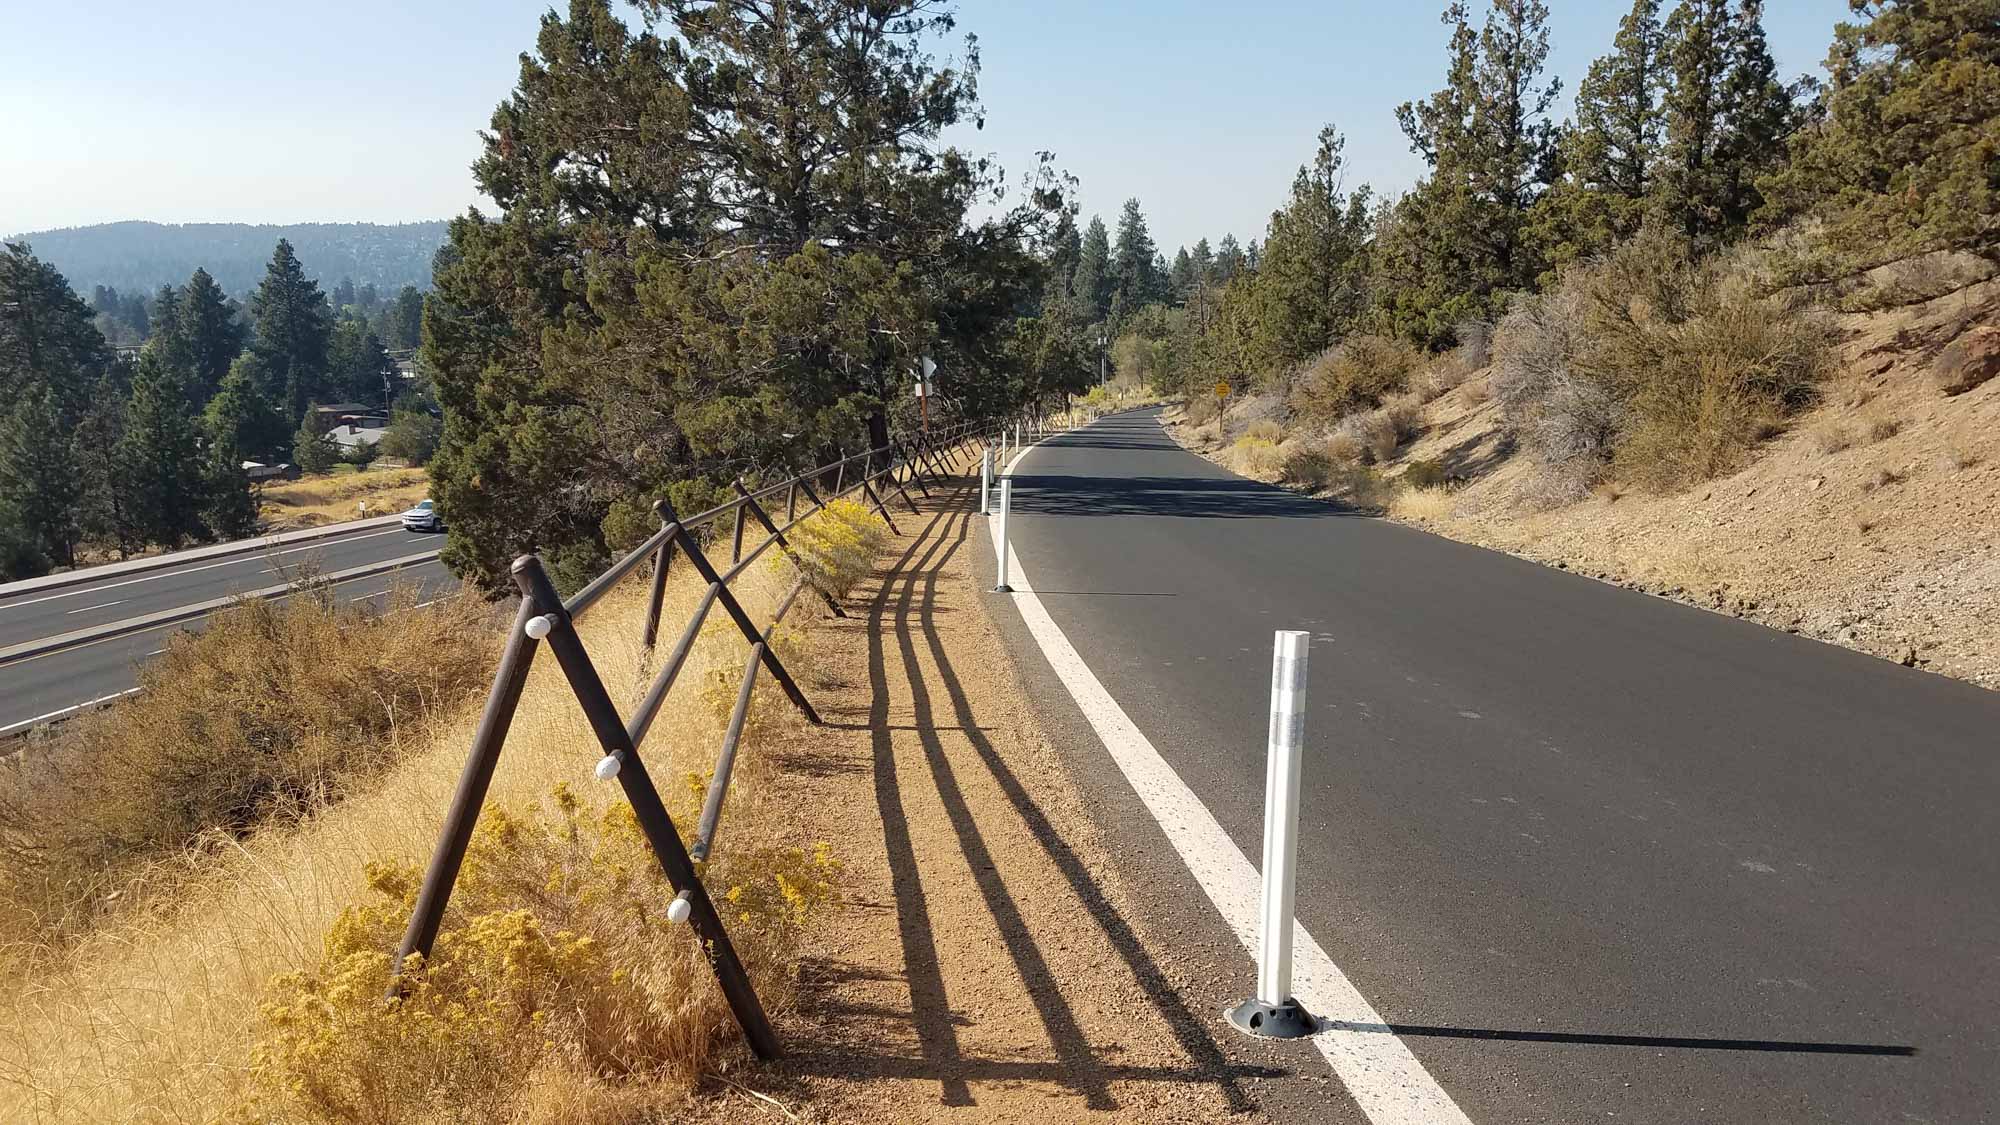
(986,965)
(1873,522)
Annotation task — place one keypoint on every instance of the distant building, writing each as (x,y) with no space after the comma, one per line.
(356,430)
(259,472)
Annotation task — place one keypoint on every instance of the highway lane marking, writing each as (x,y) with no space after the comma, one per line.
(1379,1071)
(169,572)
(88,608)
(184,624)
(61,711)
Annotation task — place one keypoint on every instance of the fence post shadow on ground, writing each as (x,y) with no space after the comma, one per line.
(912,581)
(545,618)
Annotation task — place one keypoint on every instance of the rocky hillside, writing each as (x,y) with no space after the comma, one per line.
(1872,521)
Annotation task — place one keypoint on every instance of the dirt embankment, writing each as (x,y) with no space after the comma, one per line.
(1873,521)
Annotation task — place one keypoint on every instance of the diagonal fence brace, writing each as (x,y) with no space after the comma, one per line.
(647,807)
(785,545)
(692,549)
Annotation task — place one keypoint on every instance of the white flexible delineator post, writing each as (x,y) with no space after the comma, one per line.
(986,482)
(1273,1012)
(1006,502)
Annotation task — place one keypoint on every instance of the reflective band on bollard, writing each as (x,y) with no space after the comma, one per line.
(1272,1013)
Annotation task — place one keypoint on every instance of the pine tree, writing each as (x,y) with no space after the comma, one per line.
(403,319)
(360,369)
(228,502)
(107,510)
(201,336)
(343,295)
(48,336)
(241,420)
(1908,156)
(1312,284)
(1758,118)
(292,331)
(1094,280)
(1618,116)
(38,476)
(312,450)
(158,460)
(1228,260)
(1136,278)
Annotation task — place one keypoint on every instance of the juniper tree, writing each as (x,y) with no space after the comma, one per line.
(200,335)
(1907,157)
(723,240)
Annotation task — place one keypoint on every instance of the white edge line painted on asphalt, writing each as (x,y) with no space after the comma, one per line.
(176,558)
(88,608)
(1381,1074)
(174,572)
(60,712)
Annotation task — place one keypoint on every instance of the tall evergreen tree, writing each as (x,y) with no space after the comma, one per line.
(1228,259)
(359,368)
(1905,160)
(1758,118)
(1618,117)
(292,332)
(159,461)
(1135,277)
(1690,188)
(241,420)
(108,509)
(778,235)
(38,476)
(403,319)
(48,336)
(1094,278)
(1513,138)
(1312,284)
(202,337)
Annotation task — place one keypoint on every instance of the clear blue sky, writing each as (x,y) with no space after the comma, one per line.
(367,109)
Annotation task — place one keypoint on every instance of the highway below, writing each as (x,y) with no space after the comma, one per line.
(1592,855)
(40,685)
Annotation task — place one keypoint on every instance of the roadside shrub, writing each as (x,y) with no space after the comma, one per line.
(1202,409)
(1266,429)
(556,965)
(1256,456)
(1655,366)
(1833,438)
(1345,447)
(1405,415)
(1362,488)
(1354,375)
(1423,473)
(838,546)
(273,711)
(1884,428)
(1372,435)
(1310,465)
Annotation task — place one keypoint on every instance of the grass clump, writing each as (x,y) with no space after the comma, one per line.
(1425,504)
(1654,366)
(277,709)
(1257,456)
(557,971)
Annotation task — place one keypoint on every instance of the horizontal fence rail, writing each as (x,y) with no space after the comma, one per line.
(871,478)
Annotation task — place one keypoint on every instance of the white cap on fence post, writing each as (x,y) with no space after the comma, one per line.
(1273,1012)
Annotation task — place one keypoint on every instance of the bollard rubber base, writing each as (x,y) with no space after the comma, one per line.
(1271,1021)
(1003,589)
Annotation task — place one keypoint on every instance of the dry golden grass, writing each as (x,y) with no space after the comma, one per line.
(334,497)
(155,1014)
(1423,505)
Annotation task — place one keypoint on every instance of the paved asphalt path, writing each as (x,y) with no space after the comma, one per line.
(37,686)
(1599,856)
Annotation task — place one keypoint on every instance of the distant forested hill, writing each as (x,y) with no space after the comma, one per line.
(141,257)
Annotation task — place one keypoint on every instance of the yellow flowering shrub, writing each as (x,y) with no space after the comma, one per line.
(837,547)
(556,968)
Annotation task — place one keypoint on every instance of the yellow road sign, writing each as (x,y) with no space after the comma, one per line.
(1222,390)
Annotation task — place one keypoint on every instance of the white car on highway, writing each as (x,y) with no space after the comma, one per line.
(423,517)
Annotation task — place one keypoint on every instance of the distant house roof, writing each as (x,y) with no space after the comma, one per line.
(346,408)
(347,437)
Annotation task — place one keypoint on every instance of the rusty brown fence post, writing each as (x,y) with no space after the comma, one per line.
(647,806)
(473,781)
(657,596)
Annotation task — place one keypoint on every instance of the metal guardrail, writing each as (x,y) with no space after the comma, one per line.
(545,617)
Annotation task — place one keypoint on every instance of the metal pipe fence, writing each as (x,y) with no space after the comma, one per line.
(544,617)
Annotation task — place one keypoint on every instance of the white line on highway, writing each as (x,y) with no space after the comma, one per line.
(1381,1074)
(169,572)
(88,608)
(61,711)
